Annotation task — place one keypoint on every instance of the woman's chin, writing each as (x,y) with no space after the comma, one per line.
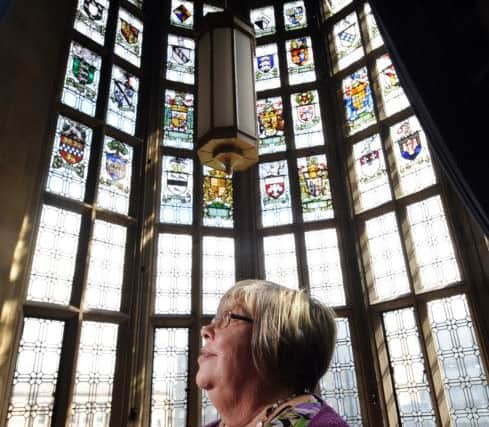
(202,380)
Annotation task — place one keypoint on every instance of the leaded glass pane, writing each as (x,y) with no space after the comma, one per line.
(182,14)
(386,259)
(174,274)
(209,8)
(91,19)
(179,120)
(209,412)
(114,184)
(324,267)
(306,114)
(54,257)
(218,270)
(330,7)
(263,20)
(275,194)
(358,101)
(339,385)
(413,160)
(372,182)
(81,80)
(408,369)
(393,96)
(170,371)
(69,160)
(218,198)
(129,38)
(138,3)
(280,260)
(295,15)
(94,379)
(433,247)
(300,60)
(106,266)
(180,63)
(314,186)
(36,374)
(270,117)
(460,361)
(375,39)
(123,100)
(176,190)
(346,42)
(267,74)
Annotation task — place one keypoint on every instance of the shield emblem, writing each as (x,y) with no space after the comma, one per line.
(71,148)
(262,22)
(177,182)
(300,55)
(182,13)
(129,32)
(370,163)
(274,186)
(265,63)
(123,93)
(181,55)
(93,9)
(390,77)
(178,118)
(295,15)
(410,146)
(83,70)
(306,113)
(115,165)
(270,122)
(358,94)
(347,36)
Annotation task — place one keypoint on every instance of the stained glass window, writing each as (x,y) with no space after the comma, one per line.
(314,187)
(408,368)
(330,7)
(460,361)
(182,13)
(176,190)
(413,160)
(123,100)
(275,193)
(267,74)
(372,183)
(295,15)
(209,8)
(81,79)
(375,39)
(180,63)
(358,101)
(218,198)
(263,20)
(69,160)
(174,274)
(54,257)
(106,266)
(393,96)
(346,42)
(339,384)
(218,271)
(324,267)
(36,373)
(170,371)
(114,184)
(280,260)
(91,19)
(209,412)
(386,258)
(433,248)
(179,119)
(300,60)
(129,38)
(94,379)
(270,125)
(306,114)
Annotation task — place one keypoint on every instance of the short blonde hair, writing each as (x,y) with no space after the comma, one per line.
(293,334)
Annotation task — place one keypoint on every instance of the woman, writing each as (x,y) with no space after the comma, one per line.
(264,354)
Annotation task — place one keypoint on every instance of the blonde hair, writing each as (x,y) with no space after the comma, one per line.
(293,334)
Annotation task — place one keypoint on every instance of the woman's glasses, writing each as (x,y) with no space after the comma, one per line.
(223,320)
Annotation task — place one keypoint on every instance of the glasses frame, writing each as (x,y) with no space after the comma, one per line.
(223,321)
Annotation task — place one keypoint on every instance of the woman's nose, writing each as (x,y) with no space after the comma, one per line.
(206,331)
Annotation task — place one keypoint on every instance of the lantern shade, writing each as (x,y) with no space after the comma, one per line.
(226,114)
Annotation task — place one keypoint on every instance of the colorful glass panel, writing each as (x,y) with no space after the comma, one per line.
(330,7)
(375,39)
(346,42)
(180,63)
(270,117)
(275,194)
(91,19)
(80,89)
(114,184)
(54,257)
(280,260)
(218,198)
(174,274)
(433,247)
(263,20)
(306,115)
(182,13)
(209,8)
(358,101)
(300,60)
(393,96)
(129,38)
(267,74)
(315,189)
(69,160)
(123,100)
(176,190)
(179,120)
(295,15)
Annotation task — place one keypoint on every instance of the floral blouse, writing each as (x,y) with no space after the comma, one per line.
(298,415)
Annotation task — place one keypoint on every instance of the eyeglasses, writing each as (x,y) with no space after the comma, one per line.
(222,321)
